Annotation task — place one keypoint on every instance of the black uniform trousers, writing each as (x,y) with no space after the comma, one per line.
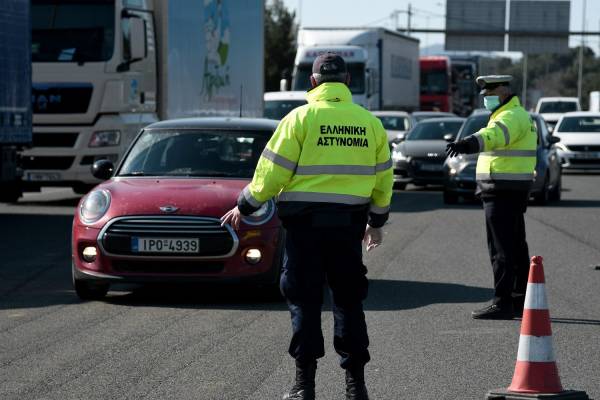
(507,245)
(319,255)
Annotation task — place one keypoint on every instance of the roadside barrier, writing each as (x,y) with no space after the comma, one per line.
(536,373)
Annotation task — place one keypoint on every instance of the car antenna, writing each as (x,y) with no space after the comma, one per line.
(241,98)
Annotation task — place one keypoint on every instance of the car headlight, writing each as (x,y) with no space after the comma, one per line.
(262,215)
(561,146)
(94,206)
(105,138)
(397,155)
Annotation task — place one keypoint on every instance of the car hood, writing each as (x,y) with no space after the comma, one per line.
(578,138)
(423,148)
(145,196)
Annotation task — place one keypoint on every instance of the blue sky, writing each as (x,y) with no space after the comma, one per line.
(427,14)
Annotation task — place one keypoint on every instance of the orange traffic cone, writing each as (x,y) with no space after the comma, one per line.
(536,373)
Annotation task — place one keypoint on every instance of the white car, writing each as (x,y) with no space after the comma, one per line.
(279,104)
(579,146)
(396,124)
(552,108)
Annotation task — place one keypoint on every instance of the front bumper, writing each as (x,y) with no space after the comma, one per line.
(147,268)
(579,160)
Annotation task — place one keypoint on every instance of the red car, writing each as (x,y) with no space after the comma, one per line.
(156,217)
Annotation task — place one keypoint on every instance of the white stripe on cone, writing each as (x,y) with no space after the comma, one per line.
(535,349)
(535,297)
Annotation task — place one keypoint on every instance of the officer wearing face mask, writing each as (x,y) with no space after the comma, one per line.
(505,174)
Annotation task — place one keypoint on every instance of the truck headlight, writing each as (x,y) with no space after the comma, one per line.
(105,138)
(94,206)
(262,215)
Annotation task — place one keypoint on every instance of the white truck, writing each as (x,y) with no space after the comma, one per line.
(383,64)
(104,69)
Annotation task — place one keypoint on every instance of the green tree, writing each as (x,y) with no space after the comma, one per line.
(280,43)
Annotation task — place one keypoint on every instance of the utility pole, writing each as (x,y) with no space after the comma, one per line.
(524,92)
(394,17)
(409,18)
(580,74)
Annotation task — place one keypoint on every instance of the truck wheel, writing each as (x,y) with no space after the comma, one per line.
(450,198)
(10,193)
(87,290)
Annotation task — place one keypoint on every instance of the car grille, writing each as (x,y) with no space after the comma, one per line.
(54,139)
(583,148)
(37,162)
(215,240)
(167,267)
(584,161)
(429,167)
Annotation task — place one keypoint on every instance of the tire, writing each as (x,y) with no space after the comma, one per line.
(543,197)
(555,193)
(450,198)
(87,290)
(399,185)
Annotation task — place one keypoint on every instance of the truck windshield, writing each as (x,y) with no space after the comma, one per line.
(558,107)
(357,77)
(434,82)
(195,153)
(72,31)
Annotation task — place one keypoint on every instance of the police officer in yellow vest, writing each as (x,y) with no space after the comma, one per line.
(329,164)
(505,174)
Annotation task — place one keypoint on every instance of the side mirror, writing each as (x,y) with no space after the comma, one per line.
(103,169)
(283,84)
(448,137)
(552,139)
(401,137)
(138,38)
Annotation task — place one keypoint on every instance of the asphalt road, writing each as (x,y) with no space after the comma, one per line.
(164,342)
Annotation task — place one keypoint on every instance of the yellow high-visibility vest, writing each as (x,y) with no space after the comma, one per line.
(507,148)
(329,150)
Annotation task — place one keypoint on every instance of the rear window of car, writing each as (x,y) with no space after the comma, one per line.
(557,107)
(394,123)
(434,130)
(277,109)
(579,124)
(195,153)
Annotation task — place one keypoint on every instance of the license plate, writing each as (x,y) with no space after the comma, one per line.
(431,167)
(587,155)
(43,176)
(164,245)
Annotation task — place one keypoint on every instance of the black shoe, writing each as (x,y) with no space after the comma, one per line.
(494,311)
(304,388)
(518,305)
(355,384)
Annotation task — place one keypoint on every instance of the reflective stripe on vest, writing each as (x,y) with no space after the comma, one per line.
(384,165)
(480,141)
(510,153)
(378,210)
(324,197)
(481,176)
(505,131)
(279,160)
(335,170)
(250,199)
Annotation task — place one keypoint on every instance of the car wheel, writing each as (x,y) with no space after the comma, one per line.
(450,198)
(543,196)
(399,185)
(87,290)
(555,193)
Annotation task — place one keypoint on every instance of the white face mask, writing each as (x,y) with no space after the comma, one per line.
(491,102)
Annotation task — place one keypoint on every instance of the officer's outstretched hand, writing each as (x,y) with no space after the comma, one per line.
(456,148)
(373,237)
(232,217)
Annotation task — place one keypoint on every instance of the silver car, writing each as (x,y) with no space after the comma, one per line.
(579,146)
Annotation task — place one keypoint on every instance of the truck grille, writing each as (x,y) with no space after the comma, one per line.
(54,139)
(215,241)
(37,162)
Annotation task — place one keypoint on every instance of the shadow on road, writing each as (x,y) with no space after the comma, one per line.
(574,203)
(426,199)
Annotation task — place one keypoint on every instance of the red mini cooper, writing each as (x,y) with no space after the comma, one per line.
(156,217)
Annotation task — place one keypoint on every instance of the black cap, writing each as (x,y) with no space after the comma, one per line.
(329,64)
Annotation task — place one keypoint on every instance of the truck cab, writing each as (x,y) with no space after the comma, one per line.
(436,88)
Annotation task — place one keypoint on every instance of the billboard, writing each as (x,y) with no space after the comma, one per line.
(475,25)
(539,26)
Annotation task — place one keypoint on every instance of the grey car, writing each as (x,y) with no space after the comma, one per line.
(459,172)
(419,159)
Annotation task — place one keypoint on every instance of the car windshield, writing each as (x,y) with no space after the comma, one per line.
(357,77)
(73,31)
(472,125)
(434,130)
(206,153)
(394,123)
(420,117)
(580,124)
(434,82)
(558,107)
(277,109)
